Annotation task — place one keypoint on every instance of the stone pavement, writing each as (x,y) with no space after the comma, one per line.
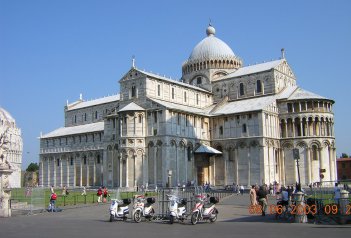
(92,221)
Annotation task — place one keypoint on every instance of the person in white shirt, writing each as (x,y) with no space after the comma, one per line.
(336,193)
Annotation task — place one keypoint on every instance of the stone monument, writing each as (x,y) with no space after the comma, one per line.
(5,190)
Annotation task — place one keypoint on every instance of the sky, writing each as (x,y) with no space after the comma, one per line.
(51,51)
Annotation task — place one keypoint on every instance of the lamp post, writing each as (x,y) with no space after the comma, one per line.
(296,155)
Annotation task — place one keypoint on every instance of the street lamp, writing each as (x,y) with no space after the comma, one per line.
(296,155)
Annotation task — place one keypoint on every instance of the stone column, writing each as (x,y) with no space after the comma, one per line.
(293,127)
(309,169)
(74,172)
(87,172)
(41,178)
(48,172)
(55,165)
(321,164)
(61,172)
(94,172)
(120,170)
(68,171)
(81,173)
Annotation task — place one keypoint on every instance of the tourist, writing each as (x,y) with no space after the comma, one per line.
(237,189)
(105,194)
(336,193)
(52,189)
(64,191)
(84,193)
(99,194)
(53,198)
(242,189)
(263,199)
(253,197)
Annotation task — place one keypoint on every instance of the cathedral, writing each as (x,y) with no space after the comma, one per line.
(221,123)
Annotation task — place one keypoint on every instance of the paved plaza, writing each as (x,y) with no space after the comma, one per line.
(92,221)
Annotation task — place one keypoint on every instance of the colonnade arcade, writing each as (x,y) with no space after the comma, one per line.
(306,126)
(72,169)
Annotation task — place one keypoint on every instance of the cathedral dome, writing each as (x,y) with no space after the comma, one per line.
(211,48)
(211,53)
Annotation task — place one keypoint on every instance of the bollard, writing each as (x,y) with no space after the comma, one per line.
(300,216)
(344,205)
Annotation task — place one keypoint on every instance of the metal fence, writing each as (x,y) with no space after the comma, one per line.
(332,203)
(31,201)
(188,193)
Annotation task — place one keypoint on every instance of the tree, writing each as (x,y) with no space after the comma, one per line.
(344,155)
(32,167)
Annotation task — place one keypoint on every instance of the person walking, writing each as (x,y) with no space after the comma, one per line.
(242,189)
(84,193)
(253,197)
(99,195)
(263,199)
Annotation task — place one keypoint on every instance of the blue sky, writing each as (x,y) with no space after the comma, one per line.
(51,51)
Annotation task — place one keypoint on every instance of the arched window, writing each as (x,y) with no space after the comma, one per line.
(98,159)
(189,153)
(244,128)
(140,118)
(85,160)
(197,99)
(133,91)
(221,130)
(185,97)
(314,152)
(85,117)
(96,114)
(159,90)
(198,80)
(242,89)
(173,93)
(58,162)
(258,86)
(75,118)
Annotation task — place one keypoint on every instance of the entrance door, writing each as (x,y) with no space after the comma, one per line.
(200,176)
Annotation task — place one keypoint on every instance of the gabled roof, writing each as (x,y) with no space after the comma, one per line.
(254,68)
(245,105)
(171,81)
(99,101)
(180,107)
(304,94)
(72,130)
(131,107)
(205,149)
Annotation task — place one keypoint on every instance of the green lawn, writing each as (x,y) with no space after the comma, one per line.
(75,197)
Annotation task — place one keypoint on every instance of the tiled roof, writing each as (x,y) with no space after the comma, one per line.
(173,81)
(72,130)
(245,105)
(254,69)
(78,105)
(132,107)
(180,107)
(343,159)
(304,94)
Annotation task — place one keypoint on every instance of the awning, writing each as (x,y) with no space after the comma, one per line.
(204,149)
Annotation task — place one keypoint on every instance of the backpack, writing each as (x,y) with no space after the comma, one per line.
(53,196)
